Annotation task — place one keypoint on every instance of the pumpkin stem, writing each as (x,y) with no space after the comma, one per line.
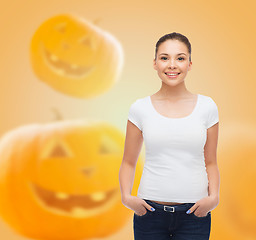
(57,113)
(96,22)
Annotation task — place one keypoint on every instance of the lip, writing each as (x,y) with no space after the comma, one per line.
(172,76)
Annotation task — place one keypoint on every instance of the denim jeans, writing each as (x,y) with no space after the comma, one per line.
(172,223)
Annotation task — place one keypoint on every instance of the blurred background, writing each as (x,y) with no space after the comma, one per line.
(222,35)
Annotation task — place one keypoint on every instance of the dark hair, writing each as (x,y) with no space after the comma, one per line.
(174,36)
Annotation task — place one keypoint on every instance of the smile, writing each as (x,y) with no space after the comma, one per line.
(63,68)
(76,205)
(171,75)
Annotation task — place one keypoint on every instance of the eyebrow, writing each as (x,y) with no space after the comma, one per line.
(167,54)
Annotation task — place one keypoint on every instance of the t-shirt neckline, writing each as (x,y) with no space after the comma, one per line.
(162,116)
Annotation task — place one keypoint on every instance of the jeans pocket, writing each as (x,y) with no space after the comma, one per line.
(143,214)
(207,215)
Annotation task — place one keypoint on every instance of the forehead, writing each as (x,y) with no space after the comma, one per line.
(172,47)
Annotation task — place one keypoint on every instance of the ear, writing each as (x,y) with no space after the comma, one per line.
(190,66)
(154,64)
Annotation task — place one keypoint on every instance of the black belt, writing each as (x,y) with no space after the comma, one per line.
(170,208)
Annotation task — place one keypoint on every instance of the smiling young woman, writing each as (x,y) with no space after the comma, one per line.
(179,185)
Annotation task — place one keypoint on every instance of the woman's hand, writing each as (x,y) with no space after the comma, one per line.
(204,205)
(138,205)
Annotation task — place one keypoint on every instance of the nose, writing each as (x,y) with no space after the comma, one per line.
(65,45)
(88,171)
(171,64)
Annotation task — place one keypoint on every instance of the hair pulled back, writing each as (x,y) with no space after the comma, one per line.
(174,36)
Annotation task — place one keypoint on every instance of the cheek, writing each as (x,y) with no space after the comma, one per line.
(162,65)
(184,67)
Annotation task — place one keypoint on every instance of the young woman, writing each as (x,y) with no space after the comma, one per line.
(180,181)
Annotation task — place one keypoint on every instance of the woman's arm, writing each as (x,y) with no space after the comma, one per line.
(132,148)
(206,204)
(210,153)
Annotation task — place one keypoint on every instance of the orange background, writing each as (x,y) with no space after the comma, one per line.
(222,34)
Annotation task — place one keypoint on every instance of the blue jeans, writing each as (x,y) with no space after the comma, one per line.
(171,222)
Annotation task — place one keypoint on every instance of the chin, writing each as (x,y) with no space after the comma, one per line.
(172,82)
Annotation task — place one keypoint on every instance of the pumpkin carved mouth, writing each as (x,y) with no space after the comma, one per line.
(63,68)
(76,204)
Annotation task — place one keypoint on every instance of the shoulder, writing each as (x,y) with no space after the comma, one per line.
(139,106)
(207,100)
(139,102)
(137,112)
(209,110)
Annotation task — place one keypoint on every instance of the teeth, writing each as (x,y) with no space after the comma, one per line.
(73,66)
(54,58)
(61,195)
(60,71)
(98,196)
(171,74)
(77,211)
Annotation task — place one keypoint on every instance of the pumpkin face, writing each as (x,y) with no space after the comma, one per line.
(75,57)
(234,217)
(61,180)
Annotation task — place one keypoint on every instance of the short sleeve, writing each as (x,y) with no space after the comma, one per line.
(213,114)
(134,115)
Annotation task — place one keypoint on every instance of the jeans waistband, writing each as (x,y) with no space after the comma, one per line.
(170,208)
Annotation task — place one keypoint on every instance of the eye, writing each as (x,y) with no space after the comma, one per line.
(56,148)
(163,58)
(181,58)
(61,27)
(87,41)
(108,146)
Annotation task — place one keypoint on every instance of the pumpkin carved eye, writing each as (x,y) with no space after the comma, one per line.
(108,146)
(56,149)
(87,41)
(61,27)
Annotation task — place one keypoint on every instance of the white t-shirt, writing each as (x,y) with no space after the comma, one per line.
(174,168)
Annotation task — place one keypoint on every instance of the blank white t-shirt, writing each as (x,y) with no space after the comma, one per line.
(174,168)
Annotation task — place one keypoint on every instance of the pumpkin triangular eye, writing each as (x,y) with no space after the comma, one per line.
(86,40)
(58,151)
(61,27)
(108,146)
(56,148)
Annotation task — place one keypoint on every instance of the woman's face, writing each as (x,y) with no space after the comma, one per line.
(172,57)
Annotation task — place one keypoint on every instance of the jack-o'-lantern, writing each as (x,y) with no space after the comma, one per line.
(61,180)
(234,217)
(75,56)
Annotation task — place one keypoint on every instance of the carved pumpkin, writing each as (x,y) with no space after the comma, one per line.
(234,217)
(75,57)
(61,180)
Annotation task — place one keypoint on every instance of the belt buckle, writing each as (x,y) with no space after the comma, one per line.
(170,209)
